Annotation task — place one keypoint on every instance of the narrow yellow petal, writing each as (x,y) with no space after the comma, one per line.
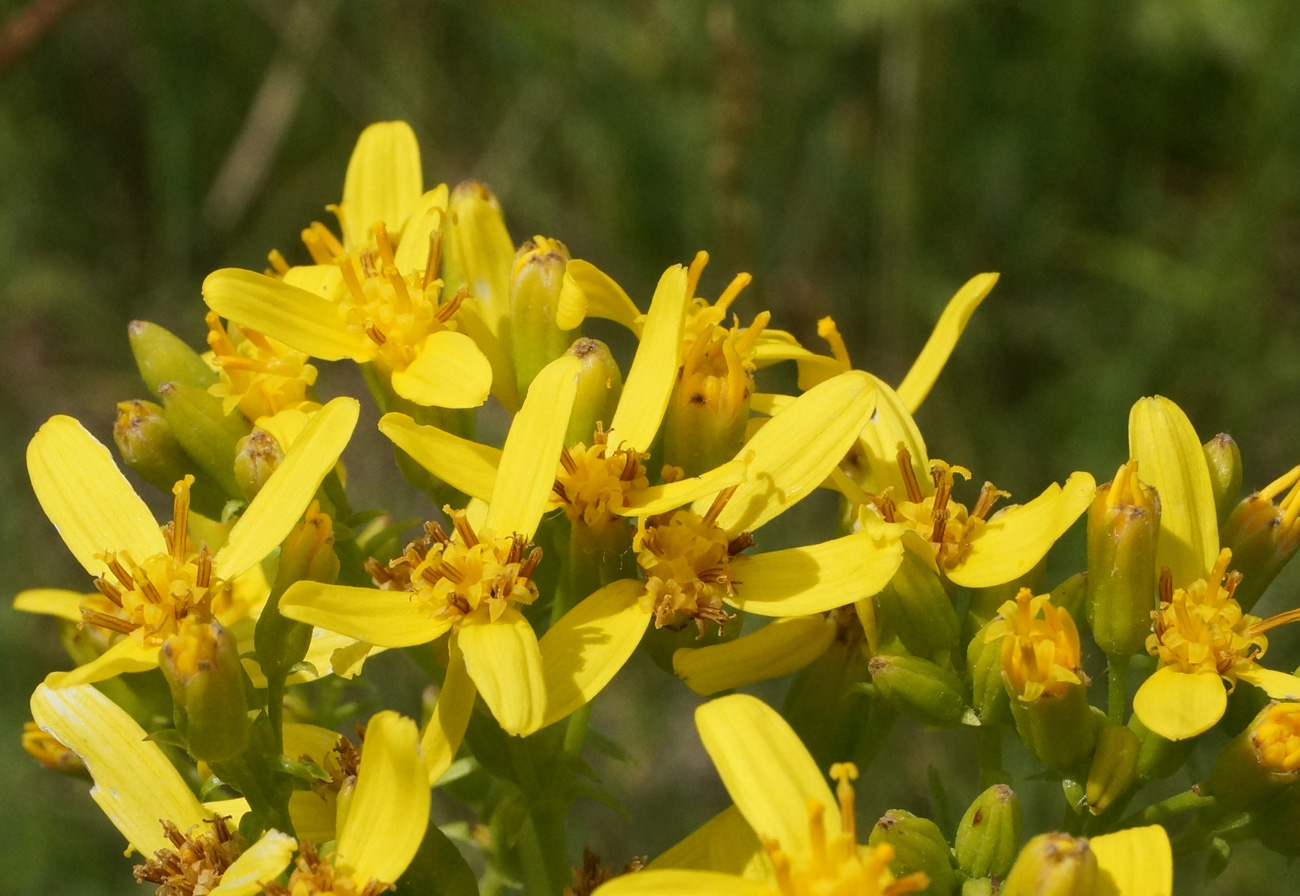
(388,618)
(461,463)
(590,292)
(260,863)
(1278,685)
(892,426)
(929,364)
(298,318)
(672,882)
(446,726)
(1017,538)
(51,602)
(448,372)
(765,768)
(769,403)
(1170,458)
(813,368)
(779,648)
(661,498)
(583,651)
(301,739)
(383,182)
(280,504)
(797,450)
(1135,862)
(87,498)
(505,663)
(390,807)
(323,280)
(724,843)
(817,578)
(135,784)
(1178,705)
(314,815)
(532,450)
(124,657)
(234,809)
(650,381)
(429,215)
(480,254)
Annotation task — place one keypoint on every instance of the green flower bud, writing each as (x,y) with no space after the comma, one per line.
(256,457)
(1260,760)
(149,447)
(1060,730)
(164,358)
(209,704)
(1224,459)
(600,383)
(207,434)
(1071,595)
(921,689)
(1158,757)
(1114,767)
(915,606)
(535,282)
(1053,865)
(1263,536)
(307,555)
(984,666)
(989,833)
(1277,821)
(978,886)
(918,845)
(1123,523)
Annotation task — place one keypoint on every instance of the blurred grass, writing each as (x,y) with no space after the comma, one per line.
(1129,167)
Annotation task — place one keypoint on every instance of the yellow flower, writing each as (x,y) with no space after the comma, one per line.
(259,376)
(150,578)
(1201,634)
(1040,647)
(1132,862)
(376,295)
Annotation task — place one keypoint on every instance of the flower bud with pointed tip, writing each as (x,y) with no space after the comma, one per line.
(1224,460)
(918,845)
(535,282)
(164,358)
(1123,523)
(600,384)
(915,606)
(1053,865)
(989,833)
(920,688)
(1114,767)
(208,435)
(209,704)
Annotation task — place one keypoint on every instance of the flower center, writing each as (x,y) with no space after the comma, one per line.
(593,481)
(314,875)
(258,375)
(1277,738)
(717,361)
(150,598)
(1258,514)
(196,861)
(686,561)
(1201,628)
(1040,647)
(469,573)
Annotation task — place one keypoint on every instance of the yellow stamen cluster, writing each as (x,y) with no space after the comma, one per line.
(1258,513)
(151,597)
(717,361)
(314,875)
(395,309)
(260,376)
(472,573)
(49,751)
(1276,738)
(196,861)
(593,481)
(686,561)
(1126,491)
(1202,628)
(1040,647)
(837,865)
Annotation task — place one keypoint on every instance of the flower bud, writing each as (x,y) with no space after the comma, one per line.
(148,446)
(978,886)
(209,704)
(915,606)
(1158,757)
(920,689)
(918,845)
(989,697)
(256,457)
(1277,821)
(600,384)
(50,752)
(1263,536)
(1053,865)
(1123,523)
(307,555)
(1114,767)
(206,433)
(989,833)
(164,358)
(1259,760)
(535,282)
(1224,460)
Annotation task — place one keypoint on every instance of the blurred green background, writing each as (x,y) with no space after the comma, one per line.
(1130,168)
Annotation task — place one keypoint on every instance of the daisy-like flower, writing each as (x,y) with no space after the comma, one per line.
(375,295)
(1201,635)
(150,579)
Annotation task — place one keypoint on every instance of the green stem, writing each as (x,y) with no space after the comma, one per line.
(275,684)
(988,744)
(1187,801)
(576,732)
(537,881)
(875,732)
(546,865)
(1117,687)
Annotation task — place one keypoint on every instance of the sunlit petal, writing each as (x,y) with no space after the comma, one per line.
(51,602)
(430,213)
(1134,862)
(817,578)
(929,363)
(126,656)
(892,427)
(388,618)
(449,371)
(1178,705)
(446,726)
(505,662)
(260,863)
(590,292)
(1278,685)
(779,648)
(661,498)
(461,463)
(672,882)
(383,182)
(724,843)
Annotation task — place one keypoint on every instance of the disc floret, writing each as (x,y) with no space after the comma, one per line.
(594,482)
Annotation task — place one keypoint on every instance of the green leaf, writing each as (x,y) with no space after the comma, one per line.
(438,869)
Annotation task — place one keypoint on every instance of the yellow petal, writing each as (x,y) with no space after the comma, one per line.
(285,426)
(461,463)
(51,602)
(471,322)
(589,644)
(660,498)
(795,453)
(769,403)
(505,663)
(779,648)
(294,316)
(126,656)
(383,182)
(1178,705)
(892,426)
(532,450)
(1015,540)
(87,498)
(765,768)
(390,807)
(314,815)
(724,843)
(1278,685)
(590,292)
(481,254)
(324,280)
(672,882)
(1170,458)
(650,381)
(1135,862)
(813,368)
(446,726)
(301,739)
(448,372)
(260,863)
(388,618)
(430,214)
(280,504)
(929,364)
(234,809)
(817,578)
(135,784)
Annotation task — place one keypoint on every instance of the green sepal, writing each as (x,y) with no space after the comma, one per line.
(165,358)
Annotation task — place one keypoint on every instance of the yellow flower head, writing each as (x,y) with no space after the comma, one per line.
(1276,738)
(595,482)
(1040,647)
(315,875)
(1201,628)
(195,861)
(260,376)
(718,361)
